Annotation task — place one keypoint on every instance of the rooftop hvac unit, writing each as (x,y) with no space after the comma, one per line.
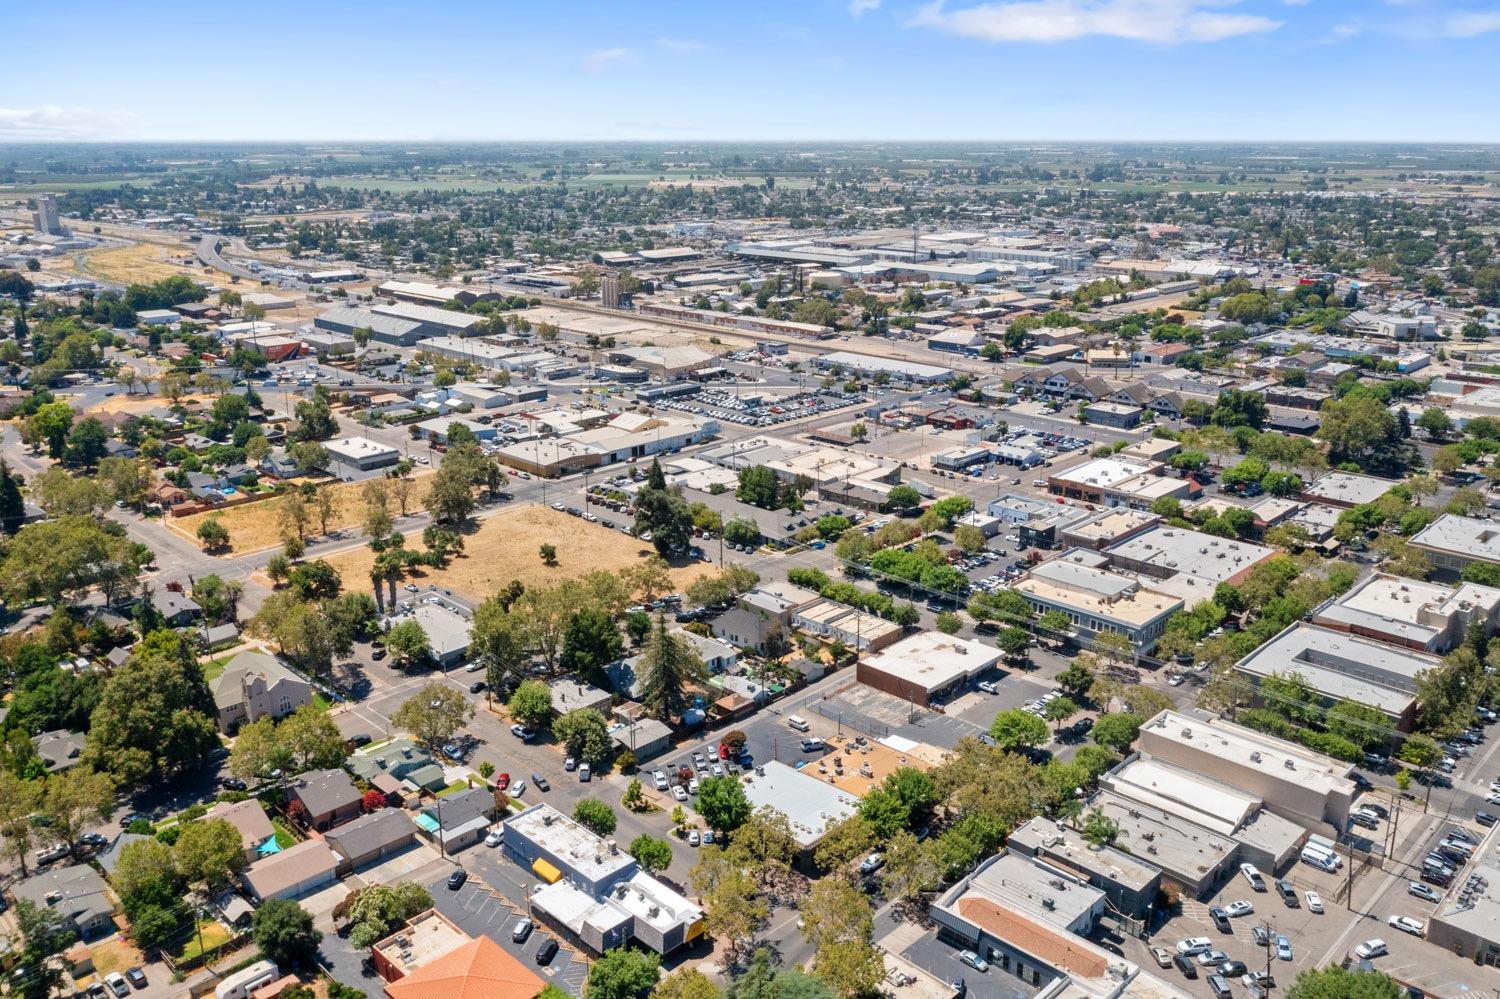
(547,819)
(1255,757)
(1049,903)
(1290,764)
(654,911)
(613,846)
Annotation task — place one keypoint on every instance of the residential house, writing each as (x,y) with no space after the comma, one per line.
(372,837)
(58,749)
(461,819)
(294,872)
(257,835)
(75,894)
(327,796)
(177,609)
(255,685)
(401,760)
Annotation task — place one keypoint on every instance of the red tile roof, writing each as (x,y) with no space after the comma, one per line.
(479,969)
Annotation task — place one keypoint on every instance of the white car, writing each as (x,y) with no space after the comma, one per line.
(679,792)
(494,838)
(659,779)
(1240,908)
(1406,924)
(1314,902)
(1371,948)
(1253,876)
(1193,946)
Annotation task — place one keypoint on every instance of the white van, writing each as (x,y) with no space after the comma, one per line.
(240,984)
(798,722)
(1322,861)
(1321,842)
(1328,855)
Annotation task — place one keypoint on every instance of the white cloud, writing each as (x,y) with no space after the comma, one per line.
(859,8)
(681,45)
(1469,24)
(598,62)
(1165,21)
(49,121)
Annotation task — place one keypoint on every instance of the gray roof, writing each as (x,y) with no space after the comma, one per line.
(226,686)
(463,807)
(59,749)
(364,318)
(381,828)
(83,891)
(110,858)
(171,603)
(399,757)
(323,791)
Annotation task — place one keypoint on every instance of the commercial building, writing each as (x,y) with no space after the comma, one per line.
(294,872)
(1029,924)
(812,806)
(1116,482)
(431,958)
(1097,601)
(385,329)
(597,895)
(1453,542)
(1194,859)
(927,666)
(1340,666)
(446,623)
(646,738)
(1130,884)
(361,453)
(1114,414)
(1296,783)
(1346,489)
(871,366)
(455,821)
(836,622)
(1187,563)
(666,363)
(1427,617)
(1098,531)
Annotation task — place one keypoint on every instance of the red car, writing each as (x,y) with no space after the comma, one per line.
(723,750)
(502,782)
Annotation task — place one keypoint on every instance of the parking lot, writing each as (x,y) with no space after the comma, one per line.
(480,909)
(755,410)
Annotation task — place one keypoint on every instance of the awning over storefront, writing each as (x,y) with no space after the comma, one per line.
(546,871)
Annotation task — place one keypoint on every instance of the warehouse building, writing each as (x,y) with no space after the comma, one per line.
(870,367)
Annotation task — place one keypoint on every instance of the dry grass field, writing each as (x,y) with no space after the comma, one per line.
(257,526)
(144,263)
(507,546)
(141,402)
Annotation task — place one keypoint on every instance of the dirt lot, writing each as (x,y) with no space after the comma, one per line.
(141,402)
(256,526)
(506,546)
(145,262)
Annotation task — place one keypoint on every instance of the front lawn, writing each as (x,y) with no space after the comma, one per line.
(213,934)
(214,668)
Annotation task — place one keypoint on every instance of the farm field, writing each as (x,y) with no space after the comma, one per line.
(506,546)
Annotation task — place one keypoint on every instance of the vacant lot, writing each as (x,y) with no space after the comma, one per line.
(144,263)
(257,526)
(507,545)
(139,401)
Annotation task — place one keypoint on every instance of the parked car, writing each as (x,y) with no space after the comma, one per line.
(1406,924)
(871,864)
(137,977)
(457,878)
(1162,957)
(522,732)
(1424,892)
(1220,919)
(585,773)
(1371,949)
(117,983)
(521,930)
(1314,902)
(494,838)
(546,952)
(540,782)
(1219,987)
(1283,947)
(1193,946)
(974,961)
(1185,965)
(1240,908)
(1257,883)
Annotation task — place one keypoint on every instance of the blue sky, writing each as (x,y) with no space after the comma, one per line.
(1004,70)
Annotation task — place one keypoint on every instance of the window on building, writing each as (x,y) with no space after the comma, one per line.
(286,704)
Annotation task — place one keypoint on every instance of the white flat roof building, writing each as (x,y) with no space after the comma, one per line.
(1428,617)
(1100,473)
(1097,600)
(1452,542)
(361,452)
(1164,552)
(811,806)
(1347,489)
(926,666)
(1294,782)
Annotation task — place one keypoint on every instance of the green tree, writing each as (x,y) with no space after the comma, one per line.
(722,803)
(585,733)
(434,714)
(1015,728)
(374,912)
(38,974)
(209,853)
(20,800)
(284,933)
(595,816)
(591,642)
(213,534)
(669,667)
(651,853)
(622,974)
(1100,829)
(407,642)
(76,798)
(531,704)
(1117,731)
(838,920)
(1335,982)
